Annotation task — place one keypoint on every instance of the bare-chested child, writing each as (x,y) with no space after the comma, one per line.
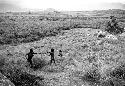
(30,56)
(52,56)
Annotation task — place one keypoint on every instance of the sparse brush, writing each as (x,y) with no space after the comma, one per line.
(118,72)
(18,76)
(107,83)
(91,76)
(115,77)
(112,82)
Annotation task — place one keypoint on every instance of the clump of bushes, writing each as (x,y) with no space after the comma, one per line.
(113,26)
(17,75)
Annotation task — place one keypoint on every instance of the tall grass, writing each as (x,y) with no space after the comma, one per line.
(18,29)
(18,75)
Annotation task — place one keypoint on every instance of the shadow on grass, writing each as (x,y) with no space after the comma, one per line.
(17,75)
(38,63)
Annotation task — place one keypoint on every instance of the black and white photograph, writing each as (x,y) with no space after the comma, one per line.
(62,42)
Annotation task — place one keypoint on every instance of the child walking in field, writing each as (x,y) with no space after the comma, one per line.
(30,56)
(52,56)
(60,53)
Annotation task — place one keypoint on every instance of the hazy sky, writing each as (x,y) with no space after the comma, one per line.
(73,5)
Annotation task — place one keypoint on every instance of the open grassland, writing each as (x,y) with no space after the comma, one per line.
(86,61)
(19,28)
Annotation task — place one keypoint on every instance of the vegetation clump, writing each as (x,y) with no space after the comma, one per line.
(113,26)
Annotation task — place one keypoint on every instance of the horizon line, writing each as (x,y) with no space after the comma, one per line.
(38,10)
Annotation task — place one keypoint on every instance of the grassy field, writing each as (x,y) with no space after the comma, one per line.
(87,60)
(16,28)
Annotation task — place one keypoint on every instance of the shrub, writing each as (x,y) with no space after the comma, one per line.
(18,76)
